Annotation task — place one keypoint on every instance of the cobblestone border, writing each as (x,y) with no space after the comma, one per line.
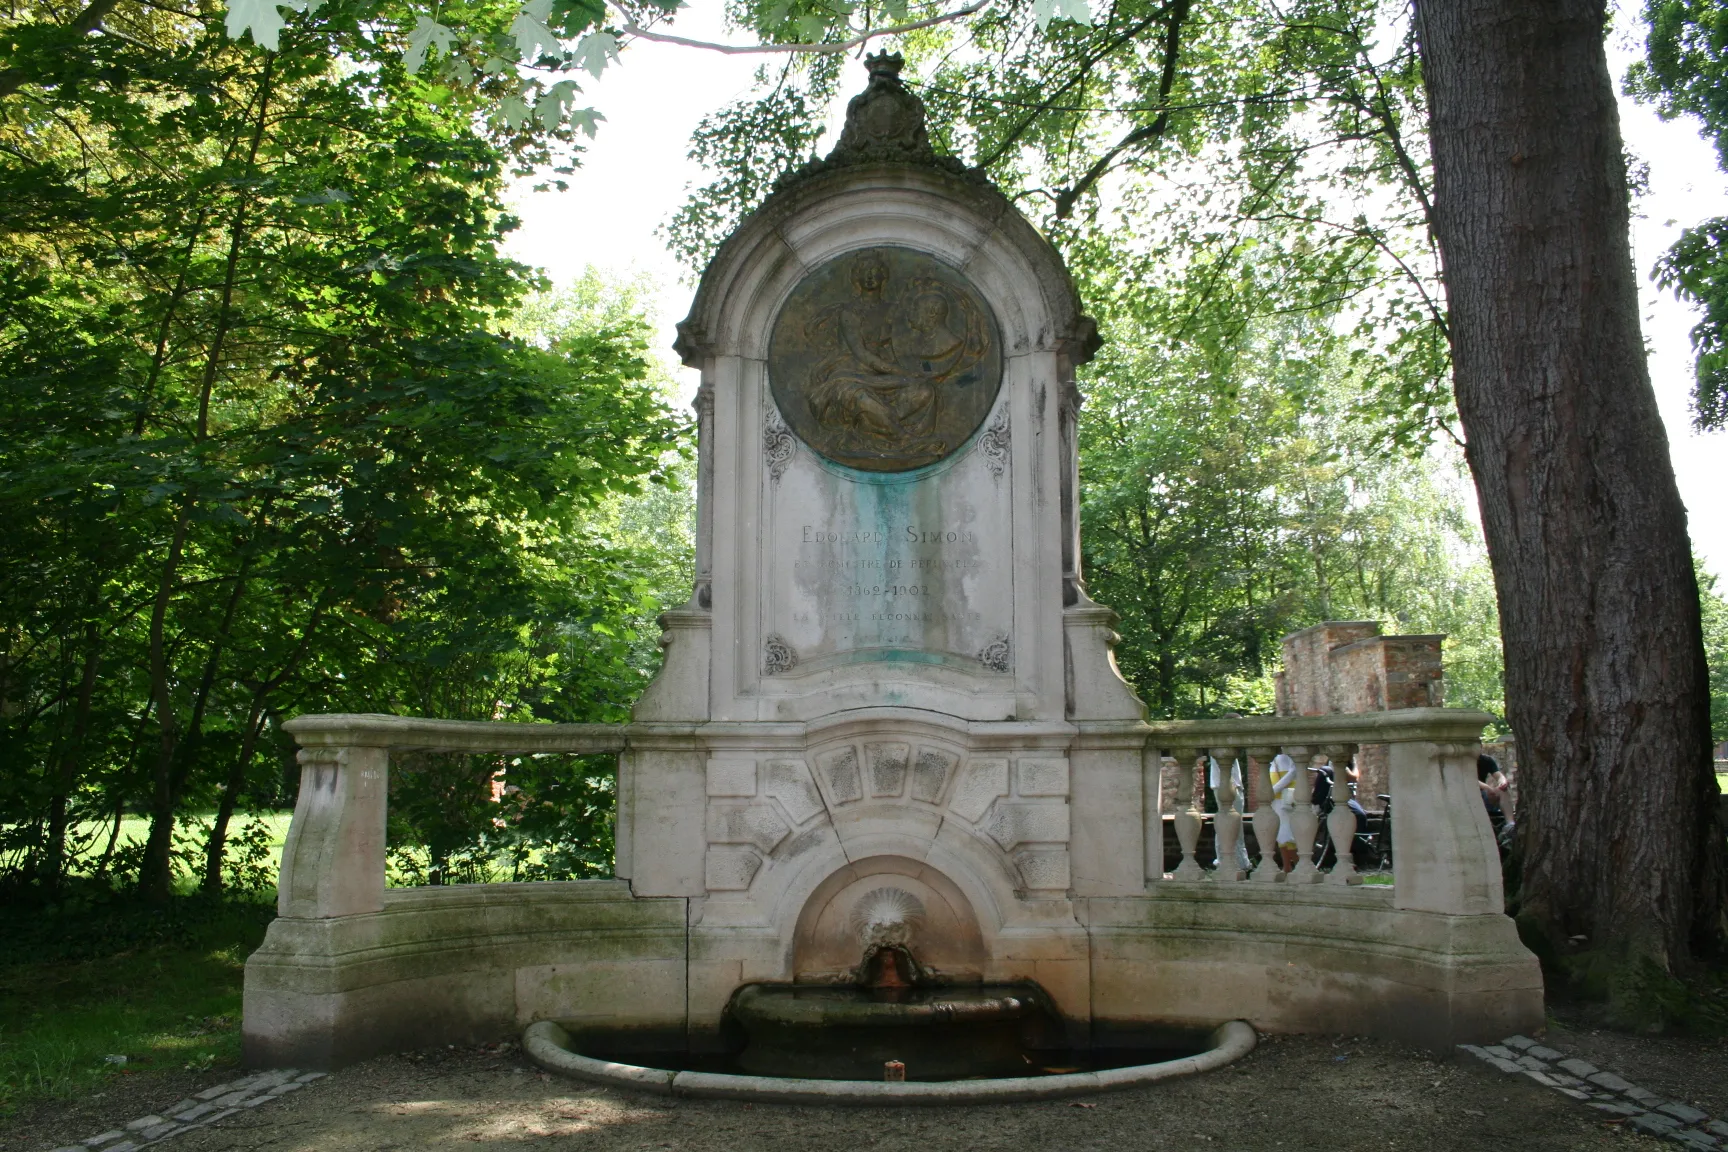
(207,1107)
(1604,1091)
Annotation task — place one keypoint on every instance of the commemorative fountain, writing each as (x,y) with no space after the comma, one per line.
(889,809)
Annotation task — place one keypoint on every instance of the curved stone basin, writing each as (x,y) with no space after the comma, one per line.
(836,1032)
(551,1047)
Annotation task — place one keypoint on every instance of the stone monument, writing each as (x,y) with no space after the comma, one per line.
(889,741)
(906,694)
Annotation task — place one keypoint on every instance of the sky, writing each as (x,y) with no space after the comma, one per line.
(636,174)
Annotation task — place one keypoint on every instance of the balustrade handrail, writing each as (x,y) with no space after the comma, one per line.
(413,734)
(1439,725)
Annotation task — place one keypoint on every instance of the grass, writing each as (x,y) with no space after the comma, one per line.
(136,829)
(84,983)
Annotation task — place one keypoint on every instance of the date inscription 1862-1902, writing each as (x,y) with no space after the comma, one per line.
(885,359)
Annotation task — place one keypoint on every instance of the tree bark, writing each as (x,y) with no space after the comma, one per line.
(1606,683)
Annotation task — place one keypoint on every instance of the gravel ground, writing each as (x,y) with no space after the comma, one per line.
(1291,1093)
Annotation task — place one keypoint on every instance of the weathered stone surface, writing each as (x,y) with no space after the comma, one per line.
(1041,777)
(1542,1053)
(754,824)
(732,777)
(1012,824)
(840,772)
(981,781)
(1684,1113)
(788,781)
(731,869)
(930,772)
(887,767)
(1579,1068)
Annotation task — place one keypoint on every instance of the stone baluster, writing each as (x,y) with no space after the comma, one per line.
(1304,820)
(1341,823)
(1265,819)
(1227,825)
(1187,815)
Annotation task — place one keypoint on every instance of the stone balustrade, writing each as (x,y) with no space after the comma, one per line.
(1446,857)
(333,860)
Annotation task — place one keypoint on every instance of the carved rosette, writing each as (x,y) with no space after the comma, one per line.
(995,444)
(998,655)
(779,446)
(778,657)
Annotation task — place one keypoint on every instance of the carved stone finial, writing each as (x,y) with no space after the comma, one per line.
(886,120)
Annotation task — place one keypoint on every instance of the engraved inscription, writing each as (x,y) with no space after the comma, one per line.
(885,360)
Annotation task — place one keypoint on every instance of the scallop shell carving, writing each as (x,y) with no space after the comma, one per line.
(886,916)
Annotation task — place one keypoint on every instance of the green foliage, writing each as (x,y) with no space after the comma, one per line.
(457,819)
(1685,73)
(267,441)
(1715,611)
(1231,493)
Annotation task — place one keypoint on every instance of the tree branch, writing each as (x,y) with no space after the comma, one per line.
(1172,56)
(835,48)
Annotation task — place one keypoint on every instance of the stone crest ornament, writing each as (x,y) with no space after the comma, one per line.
(777,656)
(885,359)
(995,444)
(778,443)
(998,655)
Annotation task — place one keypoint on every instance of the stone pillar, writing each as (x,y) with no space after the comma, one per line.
(333,860)
(1446,859)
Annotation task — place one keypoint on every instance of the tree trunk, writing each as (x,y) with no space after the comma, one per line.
(1606,685)
(216,847)
(71,760)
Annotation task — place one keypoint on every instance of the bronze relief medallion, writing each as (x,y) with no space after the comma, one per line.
(885,359)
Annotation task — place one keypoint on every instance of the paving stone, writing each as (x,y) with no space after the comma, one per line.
(72,1148)
(308,1077)
(219,1090)
(255,1101)
(1617,1108)
(1572,1092)
(1568,1081)
(283,1089)
(1504,1065)
(232,1098)
(1542,1053)
(1693,1138)
(157,1131)
(1684,1113)
(143,1122)
(1532,1064)
(194,1112)
(106,1138)
(1519,1042)
(1502,1052)
(123,1146)
(1717,1127)
(1541,1078)
(1649,1099)
(1474,1050)
(1580,1068)
(1609,1081)
(1654,1123)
